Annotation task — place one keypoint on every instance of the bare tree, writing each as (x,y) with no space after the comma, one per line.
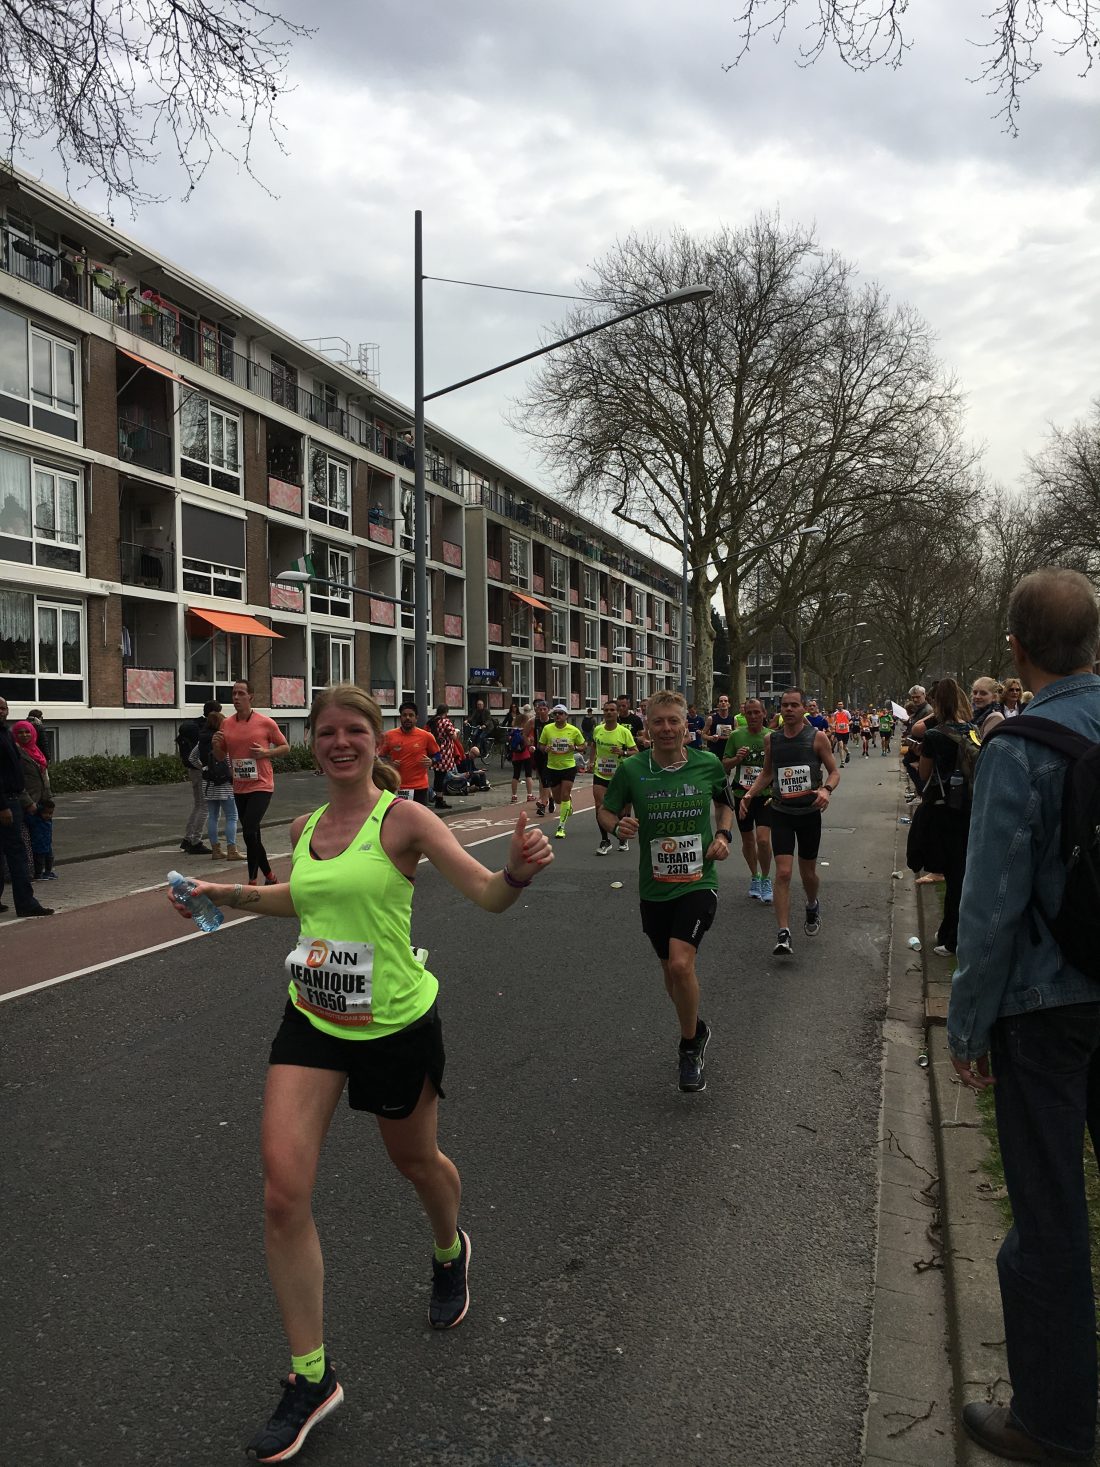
(102,81)
(792,396)
(1064,480)
(866,33)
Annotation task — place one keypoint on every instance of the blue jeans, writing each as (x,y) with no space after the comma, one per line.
(15,853)
(229,805)
(1047,1064)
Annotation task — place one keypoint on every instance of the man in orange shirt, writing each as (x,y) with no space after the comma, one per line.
(413,750)
(842,724)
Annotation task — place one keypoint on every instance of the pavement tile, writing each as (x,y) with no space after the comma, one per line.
(906,1202)
(906,1172)
(905,1234)
(896,1431)
(906,1317)
(900,1365)
(906,1123)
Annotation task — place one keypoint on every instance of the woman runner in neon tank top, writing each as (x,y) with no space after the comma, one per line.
(361,1013)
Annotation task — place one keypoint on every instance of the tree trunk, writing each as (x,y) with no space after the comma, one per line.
(701,687)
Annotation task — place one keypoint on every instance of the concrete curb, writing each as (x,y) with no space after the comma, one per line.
(972,1223)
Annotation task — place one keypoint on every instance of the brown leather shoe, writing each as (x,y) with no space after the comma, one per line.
(993,1428)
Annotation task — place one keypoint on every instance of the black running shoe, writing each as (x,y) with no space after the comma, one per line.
(551,806)
(450,1288)
(302,1406)
(813,920)
(692,1076)
(782,946)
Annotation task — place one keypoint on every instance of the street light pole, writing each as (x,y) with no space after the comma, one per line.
(684,568)
(421,690)
(683,296)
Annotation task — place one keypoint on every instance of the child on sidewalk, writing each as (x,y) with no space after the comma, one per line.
(39,823)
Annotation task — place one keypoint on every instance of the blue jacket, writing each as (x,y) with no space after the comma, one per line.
(1014,849)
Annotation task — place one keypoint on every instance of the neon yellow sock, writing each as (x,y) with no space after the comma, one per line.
(448,1255)
(311,1365)
(565,809)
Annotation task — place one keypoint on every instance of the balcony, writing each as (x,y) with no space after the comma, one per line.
(283,495)
(383,691)
(149,687)
(452,554)
(281,597)
(452,626)
(145,447)
(145,565)
(382,613)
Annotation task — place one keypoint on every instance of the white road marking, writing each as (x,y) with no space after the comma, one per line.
(125,958)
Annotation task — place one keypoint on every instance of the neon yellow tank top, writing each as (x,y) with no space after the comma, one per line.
(354,973)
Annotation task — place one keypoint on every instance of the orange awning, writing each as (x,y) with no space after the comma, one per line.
(234,621)
(538,605)
(153,366)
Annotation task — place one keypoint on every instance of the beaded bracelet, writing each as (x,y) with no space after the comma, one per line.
(511,880)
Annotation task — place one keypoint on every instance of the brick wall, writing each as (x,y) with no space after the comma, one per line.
(100,401)
(254,435)
(104,652)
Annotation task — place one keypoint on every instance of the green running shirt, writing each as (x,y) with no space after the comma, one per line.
(612,746)
(354,973)
(742,775)
(673,809)
(564,744)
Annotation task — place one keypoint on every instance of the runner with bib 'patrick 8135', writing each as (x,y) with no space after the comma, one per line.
(361,1016)
(672,791)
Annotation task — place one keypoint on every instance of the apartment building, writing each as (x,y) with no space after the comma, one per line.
(167,454)
(559,609)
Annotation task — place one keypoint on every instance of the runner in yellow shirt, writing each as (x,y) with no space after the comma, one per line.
(563,741)
(611,742)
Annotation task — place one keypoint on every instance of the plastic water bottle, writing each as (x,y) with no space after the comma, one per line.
(208,917)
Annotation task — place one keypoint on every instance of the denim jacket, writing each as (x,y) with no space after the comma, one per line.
(1015,849)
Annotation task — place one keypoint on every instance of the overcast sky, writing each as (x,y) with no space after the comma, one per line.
(535,135)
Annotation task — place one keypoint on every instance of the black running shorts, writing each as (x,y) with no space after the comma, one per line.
(760,813)
(684,917)
(385,1076)
(561,776)
(803,830)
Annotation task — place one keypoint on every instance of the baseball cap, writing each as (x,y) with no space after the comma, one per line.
(559,708)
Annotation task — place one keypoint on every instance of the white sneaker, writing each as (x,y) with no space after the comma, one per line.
(603,848)
(624,845)
(943,952)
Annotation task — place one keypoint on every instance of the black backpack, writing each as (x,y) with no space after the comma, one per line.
(958,792)
(1075,927)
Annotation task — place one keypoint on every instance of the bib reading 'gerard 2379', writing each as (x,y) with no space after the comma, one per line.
(353,973)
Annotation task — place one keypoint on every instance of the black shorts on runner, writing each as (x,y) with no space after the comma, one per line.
(803,830)
(760,813)
(599,779)
(521,769)
(685,917)
(558,776)
(841,738)
(385,1076)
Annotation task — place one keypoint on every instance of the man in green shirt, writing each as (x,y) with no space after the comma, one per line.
(743,760)
(563,741)
(671,790)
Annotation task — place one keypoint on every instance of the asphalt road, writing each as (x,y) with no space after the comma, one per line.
(656,1278)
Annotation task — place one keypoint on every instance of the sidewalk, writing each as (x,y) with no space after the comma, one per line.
(99,823)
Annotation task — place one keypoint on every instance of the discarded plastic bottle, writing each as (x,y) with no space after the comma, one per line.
(922,1059)
(208,917)
(904,820)
(914,943)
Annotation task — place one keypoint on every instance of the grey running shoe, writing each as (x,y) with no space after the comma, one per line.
(692,1076)
(450,1288)
(813,919)
(302,1406)
(782,946)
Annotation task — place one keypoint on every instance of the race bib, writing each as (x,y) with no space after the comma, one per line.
(749,772)
(404,794)
(561,746)
(332,980)
(723,729)
(793,780)
(677,858)
(605,767)
(244,769)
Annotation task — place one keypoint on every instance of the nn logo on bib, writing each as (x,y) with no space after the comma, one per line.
(317,955)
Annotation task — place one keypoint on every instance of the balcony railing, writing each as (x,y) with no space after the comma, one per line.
(147,447)
(176,332)
(143,565)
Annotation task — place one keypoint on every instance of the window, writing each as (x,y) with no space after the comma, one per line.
(39,378)
(591,640)
(521,679)
(48,743)
(141,741)
(41,648)
(558,637)
(521,624)
(591,685)
(559,679)
(639,606)
(213,658)
(408,518)
(618,598)
(673,621)
(332,660)
(618,684)
(284,383)
(618,645)
(519,560)
(209,444)
(557,575)
(589,587)
(639,648)
(213,553)
(329,489)
(332,565)
(47,534)
(659,615)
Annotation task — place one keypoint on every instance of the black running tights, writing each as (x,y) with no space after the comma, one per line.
(251,809)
